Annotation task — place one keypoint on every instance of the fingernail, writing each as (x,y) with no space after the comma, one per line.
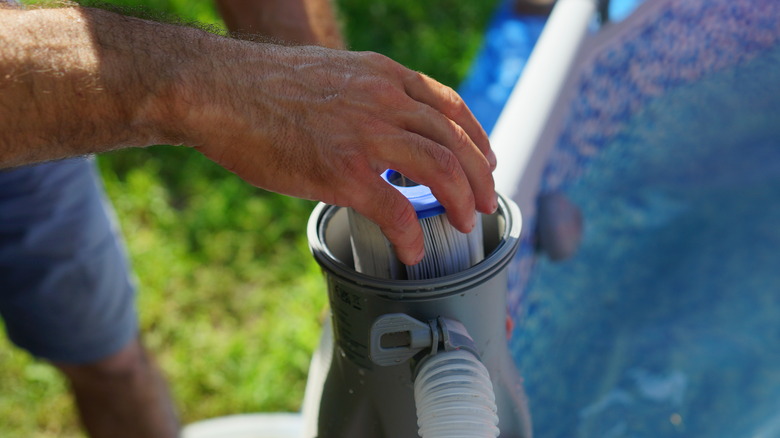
(492,160)
(473,221)
(494,206)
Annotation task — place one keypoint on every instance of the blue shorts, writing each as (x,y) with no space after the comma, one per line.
(65,289)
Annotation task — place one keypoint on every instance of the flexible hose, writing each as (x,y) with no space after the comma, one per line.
(455,398)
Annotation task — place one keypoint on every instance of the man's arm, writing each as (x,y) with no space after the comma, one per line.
(67,88)
(305,22)
(308,122)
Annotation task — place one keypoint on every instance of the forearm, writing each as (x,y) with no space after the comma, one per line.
(77,81)
(308,121)
(307,22)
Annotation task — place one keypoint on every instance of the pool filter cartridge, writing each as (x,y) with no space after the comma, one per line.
(447,250)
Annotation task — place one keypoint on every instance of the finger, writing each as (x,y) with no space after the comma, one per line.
(435,166)
(388,208)
(445,100)
(431,124)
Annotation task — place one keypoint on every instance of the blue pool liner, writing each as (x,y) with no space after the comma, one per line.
(665,323)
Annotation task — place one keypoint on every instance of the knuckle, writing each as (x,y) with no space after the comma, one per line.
(394,211)
(403,215)
(378,59)
(382,92)
(388,66)
(386,91)
(415,76)
(388,209)
(373,56)
(372,128)
(448,164)
(462,139)
(455,105)
(352,163)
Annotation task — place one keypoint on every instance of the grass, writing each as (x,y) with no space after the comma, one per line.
(230,299)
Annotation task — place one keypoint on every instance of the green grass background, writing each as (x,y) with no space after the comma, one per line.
(230,300)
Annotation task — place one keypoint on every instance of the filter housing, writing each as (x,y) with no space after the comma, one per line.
(348,395)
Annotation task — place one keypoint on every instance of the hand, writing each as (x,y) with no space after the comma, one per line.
(323,124)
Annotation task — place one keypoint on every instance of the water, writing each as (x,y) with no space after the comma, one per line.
(667,322)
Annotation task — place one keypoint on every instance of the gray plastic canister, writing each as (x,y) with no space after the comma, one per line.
(361,399)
